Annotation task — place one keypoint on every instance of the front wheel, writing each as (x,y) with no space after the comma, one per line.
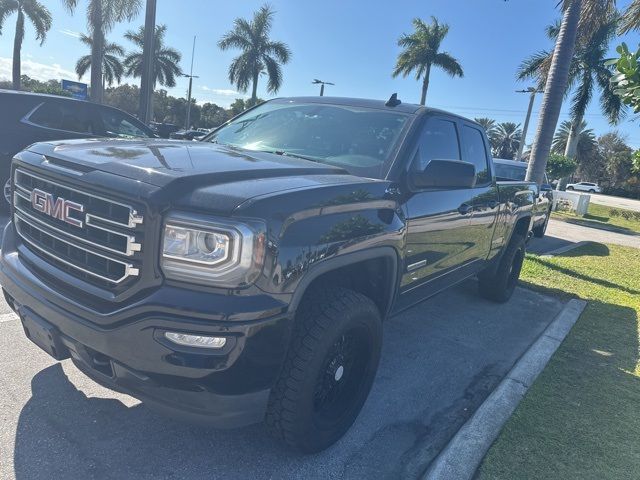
(498,284)
(592,191)
(329,369)
(5,201)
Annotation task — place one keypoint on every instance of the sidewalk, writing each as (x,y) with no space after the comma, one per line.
(560,234)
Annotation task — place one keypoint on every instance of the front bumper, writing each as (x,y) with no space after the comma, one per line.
(225,388)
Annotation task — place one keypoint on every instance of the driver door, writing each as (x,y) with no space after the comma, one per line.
(439,244)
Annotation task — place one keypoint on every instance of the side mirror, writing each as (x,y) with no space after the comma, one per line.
(545,187)
(445,174)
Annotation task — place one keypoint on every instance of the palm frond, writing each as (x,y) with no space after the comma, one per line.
(83,65)
(630,19)
(274,73)
(40,17)
(7,7)
(449,64)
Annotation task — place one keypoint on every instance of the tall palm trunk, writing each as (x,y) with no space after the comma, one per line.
(554,91)
(254,91)
(97,51)
(425,85)
(17,47)
(571,150)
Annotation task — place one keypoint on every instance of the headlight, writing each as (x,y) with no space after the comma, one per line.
(194,245)
(216,253)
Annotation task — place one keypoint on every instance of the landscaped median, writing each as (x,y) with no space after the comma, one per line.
(581,418)
(607,218)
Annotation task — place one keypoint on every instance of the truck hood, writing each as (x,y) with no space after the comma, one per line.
(160,162)
(190,175)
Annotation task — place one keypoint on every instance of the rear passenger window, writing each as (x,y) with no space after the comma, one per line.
(476,153)
(439,141)
(70,116)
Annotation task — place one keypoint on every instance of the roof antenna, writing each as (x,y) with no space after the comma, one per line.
(393,101)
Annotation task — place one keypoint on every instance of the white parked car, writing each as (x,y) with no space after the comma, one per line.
(584,187)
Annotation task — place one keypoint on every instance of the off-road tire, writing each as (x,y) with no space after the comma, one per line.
(498,285)
(296,409)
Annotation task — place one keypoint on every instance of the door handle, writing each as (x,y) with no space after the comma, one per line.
(464,208)
(492,204)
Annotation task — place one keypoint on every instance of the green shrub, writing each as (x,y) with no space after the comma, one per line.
(614,212)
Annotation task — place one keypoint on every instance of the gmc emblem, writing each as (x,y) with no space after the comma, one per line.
(59,208)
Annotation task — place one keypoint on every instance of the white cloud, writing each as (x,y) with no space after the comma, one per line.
(70,33)
(39,71)
(221,91)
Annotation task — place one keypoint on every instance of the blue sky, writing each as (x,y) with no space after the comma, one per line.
(351,43)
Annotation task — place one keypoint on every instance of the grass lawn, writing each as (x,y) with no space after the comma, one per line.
(581,418)
(600,216)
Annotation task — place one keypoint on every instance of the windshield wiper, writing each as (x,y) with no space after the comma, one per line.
(284,153)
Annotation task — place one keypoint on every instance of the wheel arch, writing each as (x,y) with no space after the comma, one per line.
(383,262)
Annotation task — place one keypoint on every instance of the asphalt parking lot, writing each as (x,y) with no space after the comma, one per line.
(440,361)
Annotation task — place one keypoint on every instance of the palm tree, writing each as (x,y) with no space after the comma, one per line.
(586,72)
(586,139)
(422,51)
(166,66)
(40,18)
(166,59)
(584,13)
(506,140)
(259,53)
(489,125)
(102,15)
(112,69)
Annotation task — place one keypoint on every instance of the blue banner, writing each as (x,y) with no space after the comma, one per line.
(76,89)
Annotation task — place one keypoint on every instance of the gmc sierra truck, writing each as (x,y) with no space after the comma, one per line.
(246,277)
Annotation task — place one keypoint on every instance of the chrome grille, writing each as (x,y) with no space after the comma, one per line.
(99,244)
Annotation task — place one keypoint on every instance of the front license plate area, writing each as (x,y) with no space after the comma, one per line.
(44,335)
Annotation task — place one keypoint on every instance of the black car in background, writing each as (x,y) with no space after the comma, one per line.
(163,130)
(27,118)
(188,135)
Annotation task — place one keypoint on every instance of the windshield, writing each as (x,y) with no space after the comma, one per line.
(359,140)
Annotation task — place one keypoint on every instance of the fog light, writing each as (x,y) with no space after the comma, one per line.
(199,341)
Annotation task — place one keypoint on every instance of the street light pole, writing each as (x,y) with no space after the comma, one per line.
(322,84)
(532,91)
(146,85)
(191,76)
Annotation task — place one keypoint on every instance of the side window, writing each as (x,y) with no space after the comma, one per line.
(69,116)
(476,153)
(116,124)
(439,141)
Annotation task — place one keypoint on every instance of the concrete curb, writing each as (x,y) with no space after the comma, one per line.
(463,454)
(561,250)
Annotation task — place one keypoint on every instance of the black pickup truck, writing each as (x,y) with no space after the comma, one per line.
(247,276)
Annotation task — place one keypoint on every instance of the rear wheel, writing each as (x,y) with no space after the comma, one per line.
(498,284)
(592,191)
(329,369)
(569,188)
(540,230)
